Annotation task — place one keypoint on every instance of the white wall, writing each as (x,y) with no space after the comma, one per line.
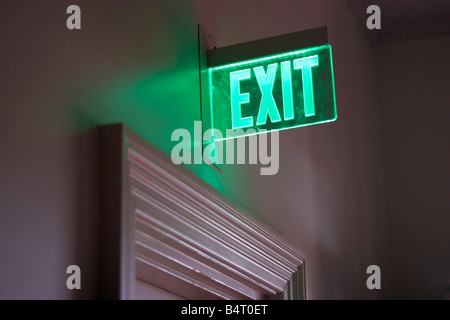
(327,198)
(136,62)
(146,291)
(414,95)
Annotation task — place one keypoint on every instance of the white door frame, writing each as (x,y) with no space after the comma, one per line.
(162,224)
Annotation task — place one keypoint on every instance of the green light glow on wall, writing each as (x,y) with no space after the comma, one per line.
(278,92)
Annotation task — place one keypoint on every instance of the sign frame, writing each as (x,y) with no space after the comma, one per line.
(270,119)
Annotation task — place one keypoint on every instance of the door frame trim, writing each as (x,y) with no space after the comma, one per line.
(162,224)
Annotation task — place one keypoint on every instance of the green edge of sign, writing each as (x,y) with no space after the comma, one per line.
(267,59)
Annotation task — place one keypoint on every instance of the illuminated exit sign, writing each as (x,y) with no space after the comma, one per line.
(276,92)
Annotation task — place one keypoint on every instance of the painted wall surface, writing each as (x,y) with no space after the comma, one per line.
(327,197)
(136,62)
(415,101)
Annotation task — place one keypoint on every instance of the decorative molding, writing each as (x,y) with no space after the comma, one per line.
(179,233)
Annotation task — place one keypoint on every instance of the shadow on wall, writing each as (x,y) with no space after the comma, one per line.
(145,76)
(86,222)
(414,96)
(135,63)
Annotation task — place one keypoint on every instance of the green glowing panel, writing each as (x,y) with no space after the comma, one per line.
(278,92)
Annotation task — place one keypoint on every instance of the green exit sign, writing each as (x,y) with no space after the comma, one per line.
(277,92)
